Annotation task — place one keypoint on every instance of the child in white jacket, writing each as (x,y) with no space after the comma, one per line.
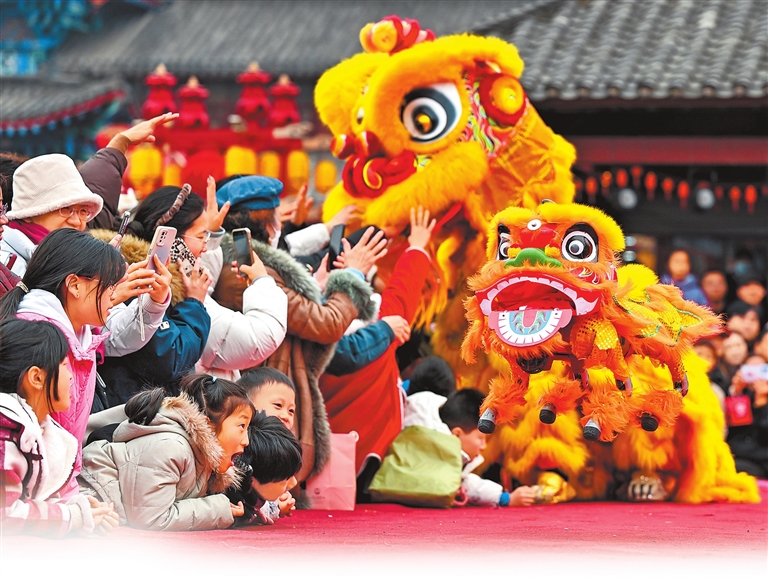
(457,415)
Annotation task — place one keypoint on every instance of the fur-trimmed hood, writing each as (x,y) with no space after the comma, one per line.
(135,249)
(181,415)
(296,277)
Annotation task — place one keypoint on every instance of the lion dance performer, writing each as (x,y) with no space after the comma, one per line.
(444,123)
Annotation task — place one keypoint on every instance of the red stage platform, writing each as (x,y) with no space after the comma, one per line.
(625,539)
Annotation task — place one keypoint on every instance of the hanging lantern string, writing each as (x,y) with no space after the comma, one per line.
(587,184)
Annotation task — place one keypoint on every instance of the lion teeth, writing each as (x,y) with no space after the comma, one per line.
(583,306)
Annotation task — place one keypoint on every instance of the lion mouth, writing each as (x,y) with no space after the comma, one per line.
(526,309)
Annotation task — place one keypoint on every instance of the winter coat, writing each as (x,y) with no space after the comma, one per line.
(36,461)
(750,442)
(356,350)
(423,409)
(163,476)
(369,400)
(315,325)
(102,174)
(174,349)
(16,243)
(245,334)
(123,337)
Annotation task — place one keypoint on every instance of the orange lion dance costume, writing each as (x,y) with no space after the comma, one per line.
(550,291)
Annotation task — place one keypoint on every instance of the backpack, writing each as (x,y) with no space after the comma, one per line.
(422,468)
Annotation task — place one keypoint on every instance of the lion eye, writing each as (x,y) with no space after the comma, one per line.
(429,113)
(580,243)
(503,249)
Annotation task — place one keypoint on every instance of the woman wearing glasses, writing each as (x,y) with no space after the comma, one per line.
(48,194)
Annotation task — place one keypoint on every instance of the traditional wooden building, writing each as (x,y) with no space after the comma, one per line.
(665,100)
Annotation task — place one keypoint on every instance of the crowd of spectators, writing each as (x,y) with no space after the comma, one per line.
(738,358)
(201,391)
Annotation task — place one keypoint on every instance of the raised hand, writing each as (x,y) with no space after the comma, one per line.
(197,283)
(343,217)
(143,132)
(253,271)
(421,228)
(161,286)
(367,252)
(214,216)
(137,281)
(400,327)
(301,206)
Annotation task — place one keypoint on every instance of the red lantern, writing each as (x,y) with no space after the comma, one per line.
(591,189)
(284,111)
(719,192)
(650,184)
(637,172)
(192,111)
(622,178)
(750,196)
(667,185)
(683,192)
(605,182)
(735,194)
(253,105)
(578,185)
(160,97)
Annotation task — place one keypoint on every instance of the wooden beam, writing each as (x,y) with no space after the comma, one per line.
(671,150)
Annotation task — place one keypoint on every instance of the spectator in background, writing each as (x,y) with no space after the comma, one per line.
(761,344)
(751,290)
(744,318)
(706,351)
(735,351)
(679,274)
(432,374)
(714,284)
(749,438)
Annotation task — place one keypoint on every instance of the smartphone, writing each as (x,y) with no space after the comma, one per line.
(753,372)
(124,223)
(242,240)
(334,247)
(161,245)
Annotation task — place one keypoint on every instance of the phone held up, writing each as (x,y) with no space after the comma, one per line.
(123,227)
(242,240)
(334,247)
(161,246)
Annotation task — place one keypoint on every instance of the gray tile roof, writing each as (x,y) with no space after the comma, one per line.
(572,48)
(211,38)
(641,48)
(26,98)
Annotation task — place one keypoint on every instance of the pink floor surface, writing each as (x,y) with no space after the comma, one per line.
(625,539)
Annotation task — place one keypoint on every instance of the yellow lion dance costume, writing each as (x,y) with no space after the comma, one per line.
(445,123)
(442,123)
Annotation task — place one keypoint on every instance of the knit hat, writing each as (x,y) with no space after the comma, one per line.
(48,183)
(251,192)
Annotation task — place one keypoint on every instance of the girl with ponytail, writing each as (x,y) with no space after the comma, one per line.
(36,454)
(70,282)
(169,464)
